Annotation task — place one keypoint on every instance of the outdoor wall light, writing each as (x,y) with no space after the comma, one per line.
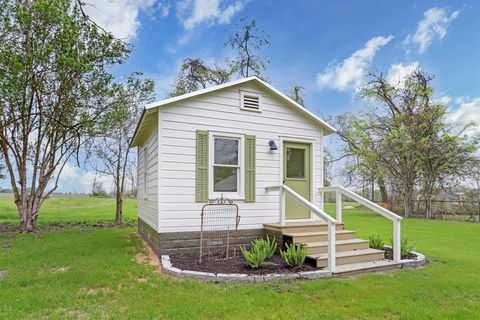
(272,145)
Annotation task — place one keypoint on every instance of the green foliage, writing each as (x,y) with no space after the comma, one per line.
(261,250)
(294,255)
(246,41)
(55,86)
(405,246)
(402,138)
(375,242)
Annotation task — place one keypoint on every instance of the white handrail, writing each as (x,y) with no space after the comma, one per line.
(375,208)
(367,203)
(331,222)
(319,212)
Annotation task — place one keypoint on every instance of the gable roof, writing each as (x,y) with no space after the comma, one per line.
(151,108)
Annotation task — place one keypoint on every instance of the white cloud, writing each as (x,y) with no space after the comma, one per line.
(399,72)
(195,12)
(121,17)
(351,71)
(466,113)
(434,25)
(73,179)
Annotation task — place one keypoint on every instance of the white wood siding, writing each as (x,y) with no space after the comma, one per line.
(220,111)
(148,199)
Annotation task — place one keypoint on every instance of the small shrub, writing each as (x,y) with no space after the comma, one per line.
(375,242)
(270,246)
(405,246)
(261,250)
(294,255)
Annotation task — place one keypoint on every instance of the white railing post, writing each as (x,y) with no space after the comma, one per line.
(331,247)
(322,200)
(282,206)
(338,198)
(396,241)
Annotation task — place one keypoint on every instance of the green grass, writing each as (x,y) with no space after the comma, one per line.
(69,209)
(102,279)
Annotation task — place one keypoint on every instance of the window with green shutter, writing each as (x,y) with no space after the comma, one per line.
(225,166)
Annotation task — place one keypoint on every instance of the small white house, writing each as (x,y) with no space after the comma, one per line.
(241,140)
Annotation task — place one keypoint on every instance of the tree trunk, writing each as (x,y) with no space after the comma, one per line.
(383,190)
(118,209)
(28,220)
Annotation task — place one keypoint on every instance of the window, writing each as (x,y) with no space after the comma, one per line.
(295,163)
(145,171)
(226,166)
(250,101)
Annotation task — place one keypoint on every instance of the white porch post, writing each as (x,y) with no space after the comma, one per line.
(282,206)
(396,241)
(331,247)
(338,198)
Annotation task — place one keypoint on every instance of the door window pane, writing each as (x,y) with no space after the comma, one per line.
(295,163)
(225,179)
(226,151)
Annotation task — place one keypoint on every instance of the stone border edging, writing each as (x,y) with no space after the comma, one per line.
(414,263)
(239,277)
(245,277)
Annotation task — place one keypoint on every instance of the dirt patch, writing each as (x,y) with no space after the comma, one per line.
(234,265)
(148,256)
(2,274)
(389,255)
(59,270)
(97,290)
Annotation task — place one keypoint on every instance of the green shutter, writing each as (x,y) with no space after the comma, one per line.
(250,169)
(201,181)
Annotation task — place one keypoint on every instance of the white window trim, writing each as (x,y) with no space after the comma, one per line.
(250,93)
(240,194)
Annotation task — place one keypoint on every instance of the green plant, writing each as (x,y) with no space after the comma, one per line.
(405,246)
(375,242)
(261,250)
(294,255)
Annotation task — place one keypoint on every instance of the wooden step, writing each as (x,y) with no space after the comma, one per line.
(345,257)
(341,245)
(305,237)
(300,227)
(365,267)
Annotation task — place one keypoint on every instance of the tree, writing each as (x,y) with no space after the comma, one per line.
(97,187)
(194,75)
(112,148)
(296,94)
(53,84)
(404,138)
(246,41)
(360,150)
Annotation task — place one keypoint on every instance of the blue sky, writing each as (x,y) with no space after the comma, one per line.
(325,46)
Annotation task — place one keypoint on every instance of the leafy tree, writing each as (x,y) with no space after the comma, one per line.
(296,94)
(405,139)
(53,88)
(111,148)
(194,75)
(246,41)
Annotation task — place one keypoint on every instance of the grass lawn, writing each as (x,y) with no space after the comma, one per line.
(70,209)
(92,273)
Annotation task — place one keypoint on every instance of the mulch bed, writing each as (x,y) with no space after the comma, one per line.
(389,254)
(234,265)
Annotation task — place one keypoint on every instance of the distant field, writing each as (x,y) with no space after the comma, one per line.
(70,209)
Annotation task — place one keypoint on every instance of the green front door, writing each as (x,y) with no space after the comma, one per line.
(296,175)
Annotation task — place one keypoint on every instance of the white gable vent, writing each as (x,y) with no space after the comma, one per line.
(250,101)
